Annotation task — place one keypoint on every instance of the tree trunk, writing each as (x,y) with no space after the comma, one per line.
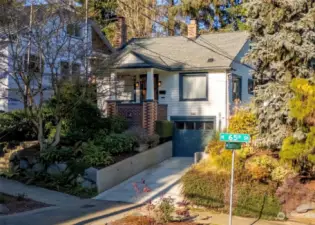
(57,135)
(40,136)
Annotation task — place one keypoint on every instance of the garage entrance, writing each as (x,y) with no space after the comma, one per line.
(191,134)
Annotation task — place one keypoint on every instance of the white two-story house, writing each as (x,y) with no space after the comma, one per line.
(192,81)
(47,42)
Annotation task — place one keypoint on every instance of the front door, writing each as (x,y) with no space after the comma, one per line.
(143,87)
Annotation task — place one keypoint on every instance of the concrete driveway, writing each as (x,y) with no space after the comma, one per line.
(162,180)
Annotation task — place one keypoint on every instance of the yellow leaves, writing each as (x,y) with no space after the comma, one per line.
(302,105)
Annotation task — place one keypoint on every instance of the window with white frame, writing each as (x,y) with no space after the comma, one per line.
(194,87)
(76,69)
(64,68)
(67,68)
(236,88)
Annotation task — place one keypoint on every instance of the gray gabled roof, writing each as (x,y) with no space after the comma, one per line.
(180,53)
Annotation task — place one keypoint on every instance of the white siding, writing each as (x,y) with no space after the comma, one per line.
(215,106)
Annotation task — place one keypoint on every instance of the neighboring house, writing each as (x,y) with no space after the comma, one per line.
(70,42)
(173,78)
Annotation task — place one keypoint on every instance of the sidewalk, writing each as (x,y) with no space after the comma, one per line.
(14,188)
(222,219)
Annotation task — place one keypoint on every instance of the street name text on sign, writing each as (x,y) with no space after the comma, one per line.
(242,138)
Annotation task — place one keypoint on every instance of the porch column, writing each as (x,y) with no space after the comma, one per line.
(113,86)
(150,105)
(150,85)
(111,104)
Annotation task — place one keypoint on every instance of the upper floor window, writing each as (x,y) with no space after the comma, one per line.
(194,87)
(74,30)
(236,88)
(250,86)
(66,68)
(33,64)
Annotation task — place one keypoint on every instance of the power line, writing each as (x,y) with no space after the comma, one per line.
(190,39)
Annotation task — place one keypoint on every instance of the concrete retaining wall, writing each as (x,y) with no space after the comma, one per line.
(117,173)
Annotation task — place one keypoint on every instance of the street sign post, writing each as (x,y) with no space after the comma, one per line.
(233,142)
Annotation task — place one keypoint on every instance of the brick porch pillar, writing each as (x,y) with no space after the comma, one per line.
(150,105)
(149,116)
(111,108)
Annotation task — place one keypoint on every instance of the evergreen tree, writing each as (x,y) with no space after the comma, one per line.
(283,48)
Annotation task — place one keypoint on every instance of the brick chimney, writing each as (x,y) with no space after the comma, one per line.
(192,29)
(121,32)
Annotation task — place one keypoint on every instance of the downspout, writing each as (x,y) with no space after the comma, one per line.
(227,98)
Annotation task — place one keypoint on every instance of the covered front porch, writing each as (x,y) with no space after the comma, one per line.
(134,94)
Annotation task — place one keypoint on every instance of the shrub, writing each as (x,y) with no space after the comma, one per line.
(164,210)
(140,135)
(299,154)
(94,155)
(53,155)
(205,189)
(117,124)
(255,199)
(243,122)
(211,190)
(280,173)
(215,146)
(164,128)
(260,167)
(16,126)
(115,143)
(153,140)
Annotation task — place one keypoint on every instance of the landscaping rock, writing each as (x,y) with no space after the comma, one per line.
(38,168)
(24,164)
(305,207)
(90,174)
(87,184)
(3,209)
(62,166)
(56,169)
(80,179)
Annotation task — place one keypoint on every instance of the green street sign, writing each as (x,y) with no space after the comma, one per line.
(242,138)
(233,145)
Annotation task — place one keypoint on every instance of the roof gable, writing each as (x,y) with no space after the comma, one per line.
(210,51)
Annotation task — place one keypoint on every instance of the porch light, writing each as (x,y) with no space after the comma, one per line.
(160,83)
(137,84)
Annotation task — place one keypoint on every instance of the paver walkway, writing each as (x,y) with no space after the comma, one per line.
(162,180)
(14,188)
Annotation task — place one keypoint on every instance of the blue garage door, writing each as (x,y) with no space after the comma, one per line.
(191,134)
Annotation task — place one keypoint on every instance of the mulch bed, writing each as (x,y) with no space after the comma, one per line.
(144,220)
(19,204)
